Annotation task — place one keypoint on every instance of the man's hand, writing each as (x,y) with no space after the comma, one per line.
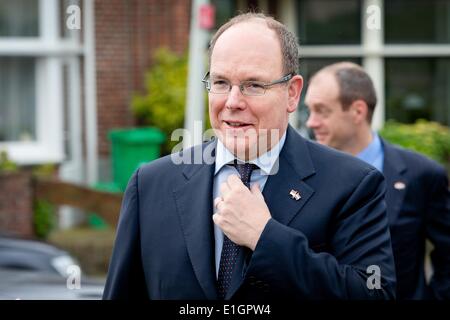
(241,213)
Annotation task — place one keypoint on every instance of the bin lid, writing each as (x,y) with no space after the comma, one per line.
(137,135)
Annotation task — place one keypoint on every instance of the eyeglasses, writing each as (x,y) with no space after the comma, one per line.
(248,88)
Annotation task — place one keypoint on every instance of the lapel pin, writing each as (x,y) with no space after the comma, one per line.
(399,185)
(295,195)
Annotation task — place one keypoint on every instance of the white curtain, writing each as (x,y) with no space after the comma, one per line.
(18,18)
(17,99)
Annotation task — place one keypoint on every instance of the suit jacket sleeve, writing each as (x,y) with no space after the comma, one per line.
(438,231)
(125,275)
(359,238)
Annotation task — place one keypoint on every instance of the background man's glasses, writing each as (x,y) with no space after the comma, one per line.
(248,88)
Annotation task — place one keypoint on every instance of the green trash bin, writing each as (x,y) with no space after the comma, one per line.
(131,148)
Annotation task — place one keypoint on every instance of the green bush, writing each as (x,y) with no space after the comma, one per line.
(44,218)
(163,103)
(44,213)
(6,165)
(429,138)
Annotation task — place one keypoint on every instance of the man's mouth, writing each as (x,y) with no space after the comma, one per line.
(237,124)
(319,136)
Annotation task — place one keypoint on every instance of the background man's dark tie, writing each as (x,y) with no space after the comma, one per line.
(230,250)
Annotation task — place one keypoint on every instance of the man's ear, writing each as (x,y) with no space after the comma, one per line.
(359,110)
(294,92)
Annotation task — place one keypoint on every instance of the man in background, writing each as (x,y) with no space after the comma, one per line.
(341,100)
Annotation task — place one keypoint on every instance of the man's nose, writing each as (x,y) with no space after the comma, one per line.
(234,99)
(313,121)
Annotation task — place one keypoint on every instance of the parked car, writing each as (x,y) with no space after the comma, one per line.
(36,270)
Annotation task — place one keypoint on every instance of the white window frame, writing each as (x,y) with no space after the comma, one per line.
(51,52)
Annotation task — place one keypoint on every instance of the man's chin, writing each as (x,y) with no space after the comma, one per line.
(321,140)
(241,148)
(250,145)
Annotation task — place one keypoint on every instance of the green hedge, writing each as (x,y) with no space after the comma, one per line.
(163,103)
(429,138)
(44,218)
(6,165)
(44,213)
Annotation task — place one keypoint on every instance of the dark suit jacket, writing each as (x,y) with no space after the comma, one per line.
(318,247)
(418,211)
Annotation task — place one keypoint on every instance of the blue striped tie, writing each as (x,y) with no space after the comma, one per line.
(230,250)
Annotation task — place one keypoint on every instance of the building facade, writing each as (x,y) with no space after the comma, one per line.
(69,68)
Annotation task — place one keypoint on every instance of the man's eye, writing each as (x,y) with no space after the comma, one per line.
(323,112)
(220,83)
(255,85)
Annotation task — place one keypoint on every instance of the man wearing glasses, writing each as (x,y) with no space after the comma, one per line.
(273,216)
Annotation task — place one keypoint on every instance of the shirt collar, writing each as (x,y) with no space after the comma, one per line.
(371,152)
(265,161)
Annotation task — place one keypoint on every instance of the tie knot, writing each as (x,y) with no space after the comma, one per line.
(245,171)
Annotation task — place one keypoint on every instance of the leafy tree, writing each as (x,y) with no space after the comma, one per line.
(163,103)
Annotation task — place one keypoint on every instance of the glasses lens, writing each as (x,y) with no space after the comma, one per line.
(219,86)
(252,88)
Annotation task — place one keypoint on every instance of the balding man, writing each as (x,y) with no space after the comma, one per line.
(341,99)
(272,216)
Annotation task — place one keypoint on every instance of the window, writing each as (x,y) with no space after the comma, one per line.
(418,88)
(408,57)
(225,10)
(417,21)
(19,18)
(329,22)
(33,53)
(17,106)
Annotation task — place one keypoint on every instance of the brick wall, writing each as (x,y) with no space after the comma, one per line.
(16,201)
(127,31)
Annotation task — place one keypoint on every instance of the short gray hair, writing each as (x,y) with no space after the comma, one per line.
(288,41)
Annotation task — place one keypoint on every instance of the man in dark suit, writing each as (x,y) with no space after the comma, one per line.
(341,99)
(264,213)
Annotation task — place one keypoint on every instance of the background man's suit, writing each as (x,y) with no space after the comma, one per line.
(418,202)
(315,248)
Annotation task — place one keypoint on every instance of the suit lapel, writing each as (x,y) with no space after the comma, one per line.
(277,193)
(195,208)
(396,184)
(294,165)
